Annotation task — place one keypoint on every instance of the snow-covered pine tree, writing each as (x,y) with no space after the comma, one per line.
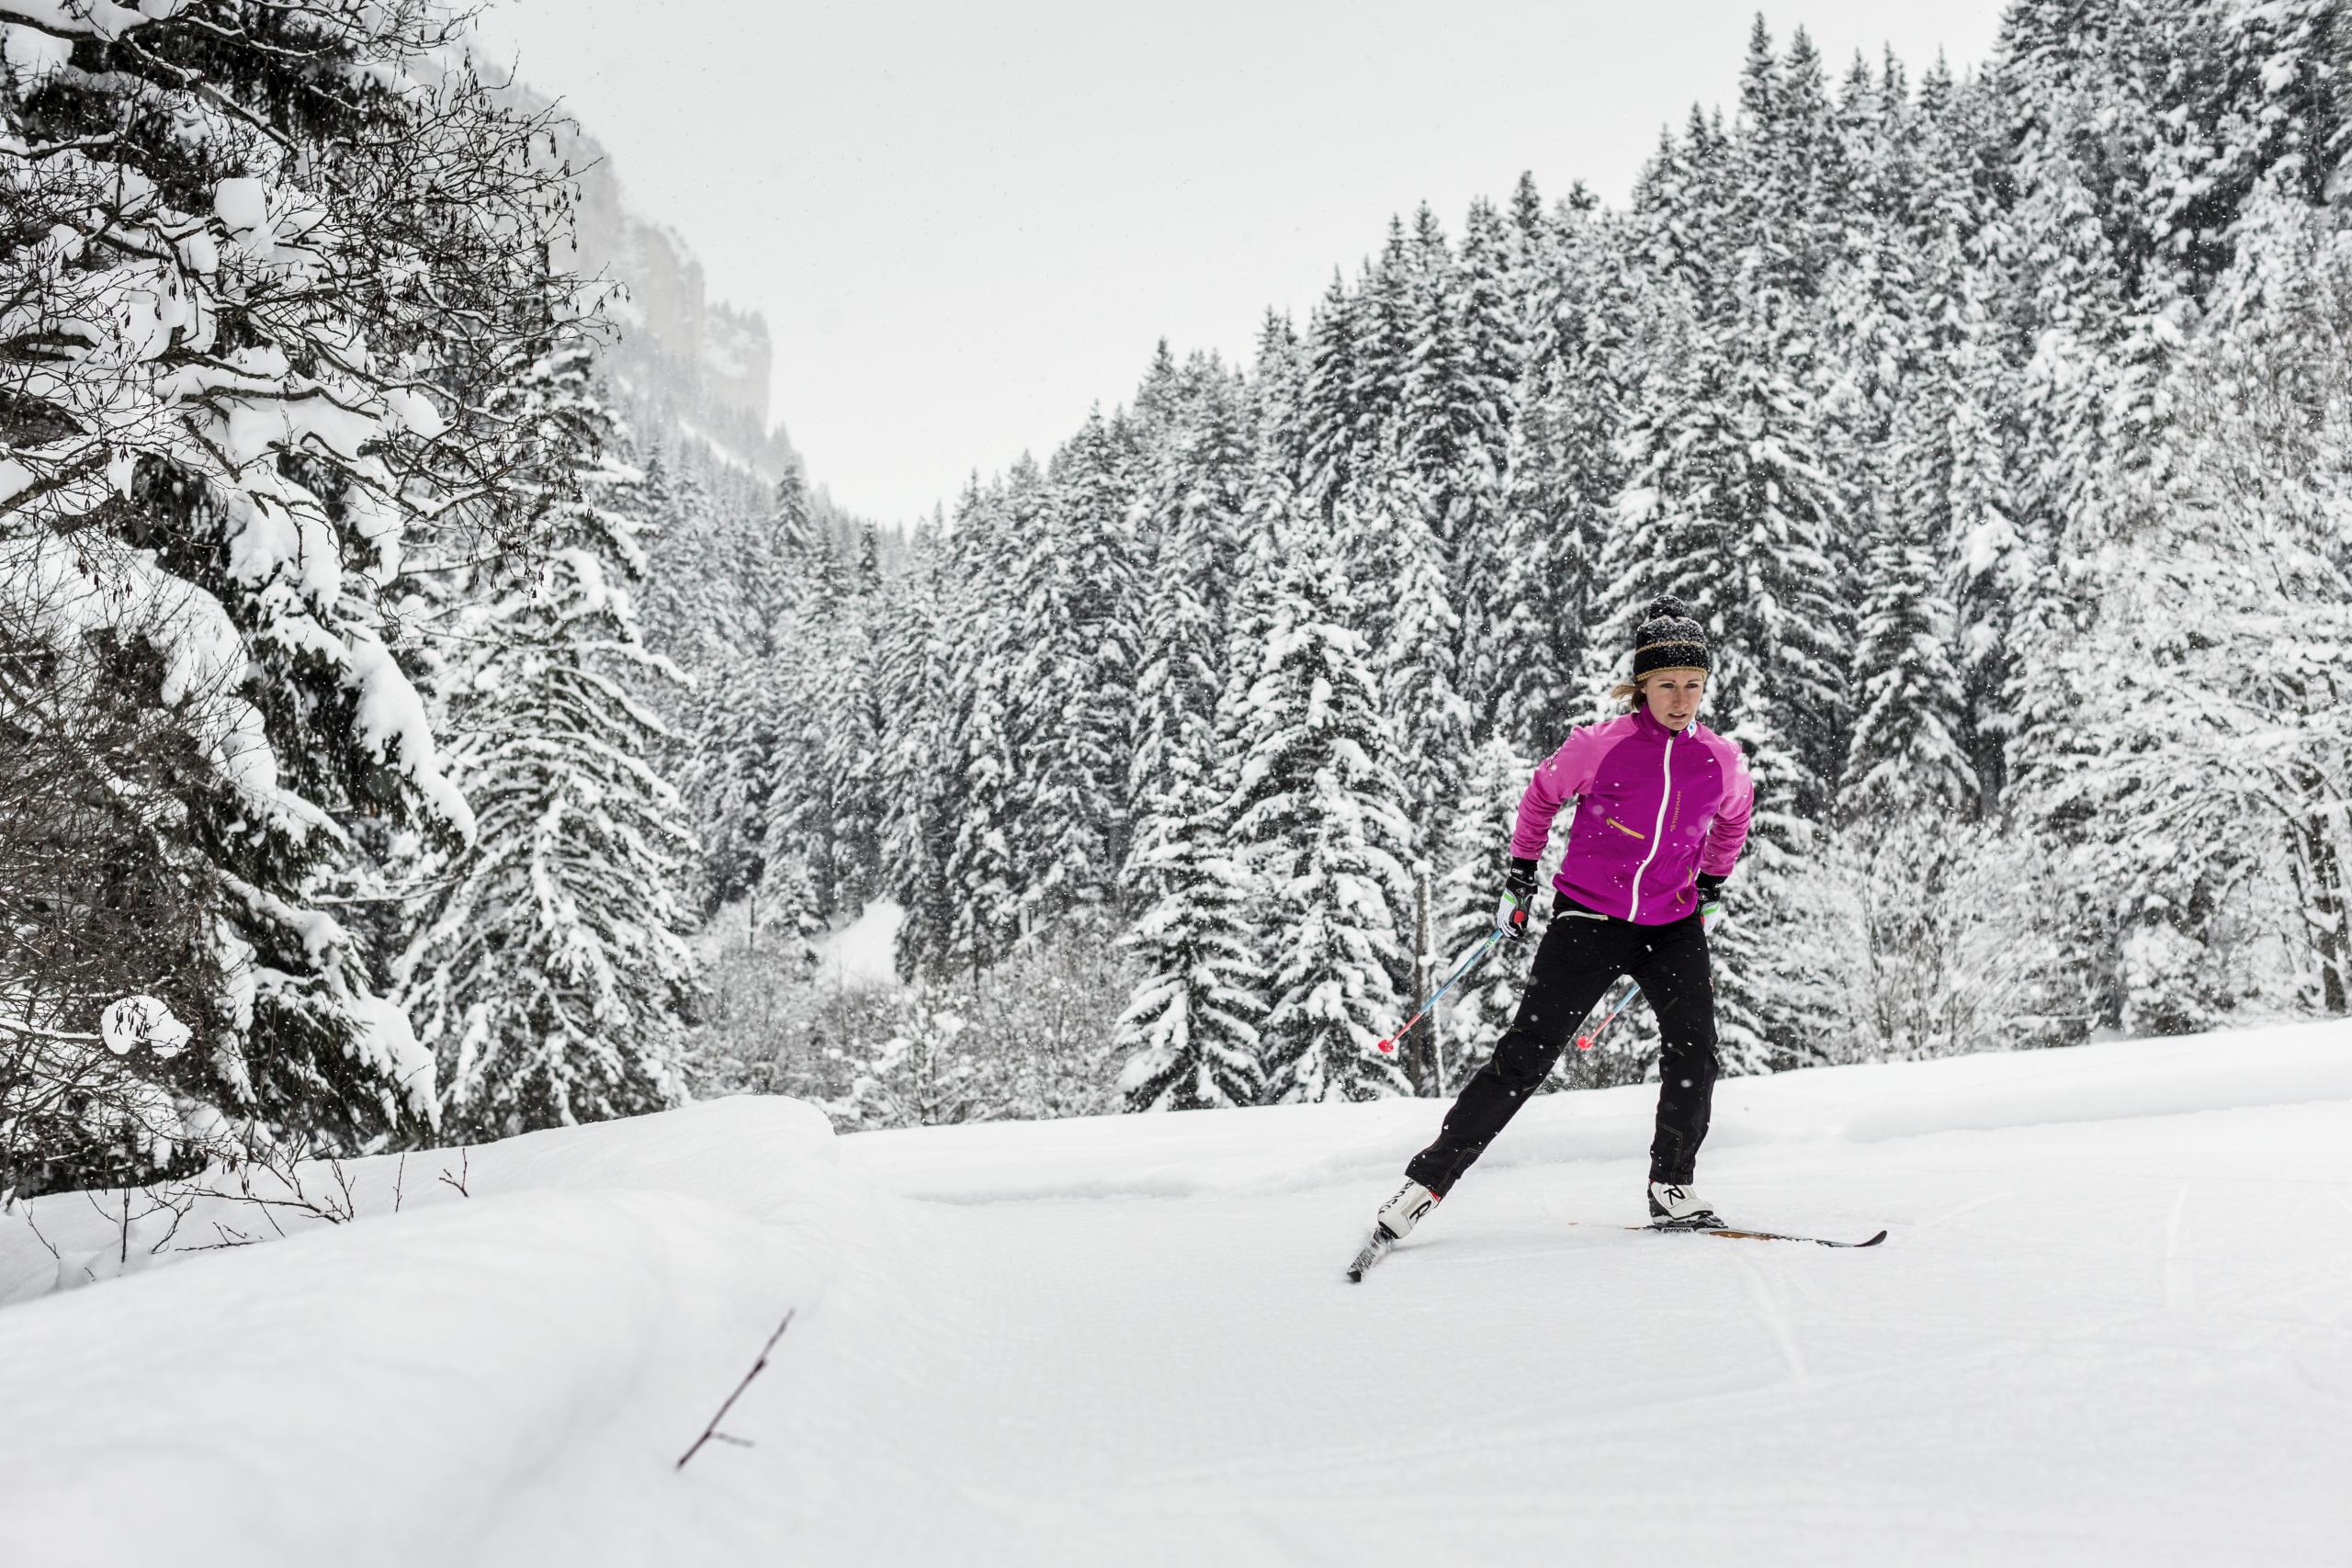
(1908,753)
(1563,472)
(1678,199)
(1468,349)
(847,747)
(779,566)
(913,679)
(1382,323)
(1868,302)
(1455,446)
(547,975)
(1075,681)
(1273,491)
(1323,408)
(1412,632)
(1195,496)
(751,775)
(1320,816)
(821,811)
(1807,178)
(676,614)
(743,721)
(1189,1036)
(982,876)
(1771,573)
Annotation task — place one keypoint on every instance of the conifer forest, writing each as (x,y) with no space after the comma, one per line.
(448,736)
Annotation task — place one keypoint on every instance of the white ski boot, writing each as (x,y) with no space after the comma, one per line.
(1677,1208)
(1402,1213)
(1392,1224)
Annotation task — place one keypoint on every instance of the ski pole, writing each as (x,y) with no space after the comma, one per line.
(1477,954)
(1617,1002)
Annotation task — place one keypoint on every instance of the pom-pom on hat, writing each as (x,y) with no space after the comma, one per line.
(1670,638)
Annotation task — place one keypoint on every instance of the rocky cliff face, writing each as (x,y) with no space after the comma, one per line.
(681,355)
(686,366)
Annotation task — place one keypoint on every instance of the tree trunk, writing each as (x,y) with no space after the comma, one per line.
(2323,890)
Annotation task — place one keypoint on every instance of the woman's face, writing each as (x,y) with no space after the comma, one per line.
(1673,695)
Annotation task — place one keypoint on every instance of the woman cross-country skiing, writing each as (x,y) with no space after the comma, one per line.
(1662,806)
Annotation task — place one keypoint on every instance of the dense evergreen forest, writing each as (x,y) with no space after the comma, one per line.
(380,700)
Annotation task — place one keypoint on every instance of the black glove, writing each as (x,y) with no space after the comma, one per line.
(1519,898)
(1711,896)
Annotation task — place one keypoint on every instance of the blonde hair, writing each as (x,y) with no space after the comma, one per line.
(1630,691)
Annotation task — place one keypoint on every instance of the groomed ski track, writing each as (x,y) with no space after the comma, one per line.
(2113,1324)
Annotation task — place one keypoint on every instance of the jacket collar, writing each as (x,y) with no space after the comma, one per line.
(1648,722)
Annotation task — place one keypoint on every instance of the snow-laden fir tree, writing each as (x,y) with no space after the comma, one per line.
(748,774)
(691,609)
(1564,470)
(1451,442)
(2062,329)
(742,715)
(1189,1036)
(1385,323)
(983,876)
(1073,680)
(1412,629)
(548,975)
(1908,753)
(819,808)
(912,674)
(1320,821)
(1321,407)
(849,754)
(823,812)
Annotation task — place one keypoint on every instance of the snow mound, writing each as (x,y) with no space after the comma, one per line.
(430,1385)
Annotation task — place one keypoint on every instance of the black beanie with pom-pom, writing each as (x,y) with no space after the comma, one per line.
(1669,638)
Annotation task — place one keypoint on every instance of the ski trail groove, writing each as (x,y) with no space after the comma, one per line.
(2180,1287)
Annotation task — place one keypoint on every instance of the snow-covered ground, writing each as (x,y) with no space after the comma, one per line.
(2113,1324)
(863,952)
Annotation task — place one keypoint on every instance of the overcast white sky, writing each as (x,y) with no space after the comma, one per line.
(968,223)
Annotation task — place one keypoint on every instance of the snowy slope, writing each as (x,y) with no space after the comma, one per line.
(2113,1325)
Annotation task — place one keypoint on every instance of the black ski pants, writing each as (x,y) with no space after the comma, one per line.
(1581,956)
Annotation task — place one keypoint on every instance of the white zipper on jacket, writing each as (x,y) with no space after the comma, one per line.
(1657,829)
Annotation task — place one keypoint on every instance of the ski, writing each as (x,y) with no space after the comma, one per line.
(1758,1236)
(1736,1234)
(1374,1251)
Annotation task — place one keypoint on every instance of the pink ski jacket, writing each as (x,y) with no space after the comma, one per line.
(1654,807)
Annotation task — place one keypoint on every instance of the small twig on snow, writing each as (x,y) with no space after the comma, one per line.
(458,1180)
(229,1239)
(37,1237)
(343,1184)
(759,1366)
